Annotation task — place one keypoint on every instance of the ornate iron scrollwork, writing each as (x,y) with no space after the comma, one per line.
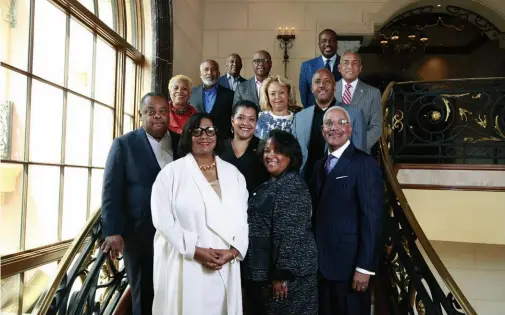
(483,24)
(452,121)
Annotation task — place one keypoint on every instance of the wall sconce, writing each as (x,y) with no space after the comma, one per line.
(286,37)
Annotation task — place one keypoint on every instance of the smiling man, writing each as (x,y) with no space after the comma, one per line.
(134,161)
(307,124)
(250,89)
(232,78)
(352,91)
(329,59)
(346,192)
(212,98)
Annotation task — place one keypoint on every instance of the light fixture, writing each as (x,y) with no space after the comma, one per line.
(286,42)
(439,5)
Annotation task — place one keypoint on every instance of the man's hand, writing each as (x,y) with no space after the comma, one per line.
(113,245)
(360,281)
(279,290)
(208,257)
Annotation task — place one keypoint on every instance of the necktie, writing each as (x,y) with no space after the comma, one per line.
(327,65)
(330,163)
(346,99)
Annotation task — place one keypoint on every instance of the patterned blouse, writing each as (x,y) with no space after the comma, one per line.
(268,121)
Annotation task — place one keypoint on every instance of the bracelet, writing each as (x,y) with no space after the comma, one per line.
(233,260)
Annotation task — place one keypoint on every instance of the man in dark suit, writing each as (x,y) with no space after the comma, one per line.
(346,190)
(329,59)
(250,90)
(232,77)
(134,161)
(212,98)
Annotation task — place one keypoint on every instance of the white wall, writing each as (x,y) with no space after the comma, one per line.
(188,38)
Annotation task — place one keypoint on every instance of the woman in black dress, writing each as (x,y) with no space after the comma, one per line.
(241,151)
(279,273)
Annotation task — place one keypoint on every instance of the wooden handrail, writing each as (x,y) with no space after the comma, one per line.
(19,262)
(423,240)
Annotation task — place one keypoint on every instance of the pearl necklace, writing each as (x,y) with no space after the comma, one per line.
(208,167)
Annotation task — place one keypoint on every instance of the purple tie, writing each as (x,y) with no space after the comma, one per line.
(330,163)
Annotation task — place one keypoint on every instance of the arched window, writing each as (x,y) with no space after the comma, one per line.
(69,78)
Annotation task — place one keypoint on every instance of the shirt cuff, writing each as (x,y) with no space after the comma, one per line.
(365,272)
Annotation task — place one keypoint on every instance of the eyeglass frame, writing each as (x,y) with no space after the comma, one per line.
(330,124)
(202,130)
(261,61)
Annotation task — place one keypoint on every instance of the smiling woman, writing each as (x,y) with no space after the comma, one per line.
(180,110)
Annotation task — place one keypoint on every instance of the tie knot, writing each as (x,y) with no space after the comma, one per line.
(348,86)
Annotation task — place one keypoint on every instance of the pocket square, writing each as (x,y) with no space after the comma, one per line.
(340,177)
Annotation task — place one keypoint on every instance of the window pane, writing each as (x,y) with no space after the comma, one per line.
(42,205)
(35,282)
(12,115)
(89,4)
(75,201)
(14,33)
(131,22)
(128,124)
(103,123)
(10,293)
(107,12)
(96,190)
(11,181)
(78,125)
(105,73)
(129,97)
(49,56)
(80,66)
(45,123)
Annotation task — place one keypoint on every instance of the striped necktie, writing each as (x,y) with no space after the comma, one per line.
(346,99)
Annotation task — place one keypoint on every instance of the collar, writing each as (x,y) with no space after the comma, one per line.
(353,84)
(333,102)
(338,152)
(332,59)
(212,89)
(228,76)
(165,137)
(256,80)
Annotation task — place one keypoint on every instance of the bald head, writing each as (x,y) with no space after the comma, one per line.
(262,64)
(209,72)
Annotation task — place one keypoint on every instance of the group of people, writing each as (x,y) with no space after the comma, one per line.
(233,199)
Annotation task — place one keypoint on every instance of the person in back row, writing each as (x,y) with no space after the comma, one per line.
(232,78)
(212,98)
(251,89)
(307,125)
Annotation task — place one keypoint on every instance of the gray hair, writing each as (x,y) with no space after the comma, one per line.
(340,108)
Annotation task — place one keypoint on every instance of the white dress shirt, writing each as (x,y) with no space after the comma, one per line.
(162,149)
(332,61)
(232,81)
(352,89)
(338,153)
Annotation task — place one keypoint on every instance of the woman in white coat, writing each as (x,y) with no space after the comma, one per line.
(199,210)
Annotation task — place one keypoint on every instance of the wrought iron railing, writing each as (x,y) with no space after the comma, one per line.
(88,281)
(408,281)
(453,121)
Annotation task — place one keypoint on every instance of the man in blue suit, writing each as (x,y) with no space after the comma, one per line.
(232,78)
(329,59)
(307,124)
(134,161)
(346,192)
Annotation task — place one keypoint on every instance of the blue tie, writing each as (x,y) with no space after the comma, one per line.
(330,163)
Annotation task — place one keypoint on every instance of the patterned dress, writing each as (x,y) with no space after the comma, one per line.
(268,121)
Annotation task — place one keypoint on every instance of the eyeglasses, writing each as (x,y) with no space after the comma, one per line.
(258,61)
(209,131)
(330,124)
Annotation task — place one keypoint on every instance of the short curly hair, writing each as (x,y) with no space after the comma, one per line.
(286,144)
(186,140)
(180,77)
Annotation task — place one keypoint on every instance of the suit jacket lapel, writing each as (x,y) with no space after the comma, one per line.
(307,125)
(254,90)
(144,143)
(358,93)
(218,99)
(335,67)
(224,81)
(345,158)
(338,91)
(199,99)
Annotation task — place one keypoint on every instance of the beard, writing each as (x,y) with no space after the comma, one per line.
(208,82)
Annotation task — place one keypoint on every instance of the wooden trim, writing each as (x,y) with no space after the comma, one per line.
(92,22)
(22,261)
(460,188)
(455,167)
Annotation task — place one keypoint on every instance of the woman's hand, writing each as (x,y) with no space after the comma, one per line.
(279,290)
(208,257)
(226,255)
